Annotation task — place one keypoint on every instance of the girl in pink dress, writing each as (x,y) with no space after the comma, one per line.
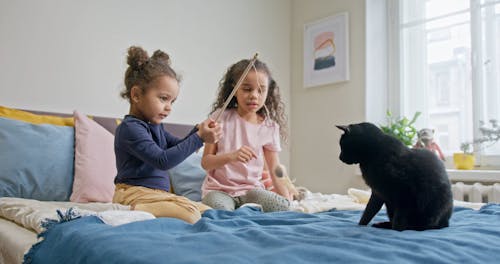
(251,125)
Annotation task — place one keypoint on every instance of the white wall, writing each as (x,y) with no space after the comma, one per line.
(60,55)
(316,111)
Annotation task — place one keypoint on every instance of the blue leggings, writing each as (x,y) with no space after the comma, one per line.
(270,201)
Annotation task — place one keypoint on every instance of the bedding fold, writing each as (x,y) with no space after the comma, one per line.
(31,213)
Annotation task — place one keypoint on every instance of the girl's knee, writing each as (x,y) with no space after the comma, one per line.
(257,196)
(219,201)
(190,217)
(185,212)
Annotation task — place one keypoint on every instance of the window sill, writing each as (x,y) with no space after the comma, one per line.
(486,176)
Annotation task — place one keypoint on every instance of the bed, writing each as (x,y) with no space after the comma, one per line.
(72,220)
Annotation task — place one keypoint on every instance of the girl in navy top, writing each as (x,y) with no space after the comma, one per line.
(144,149)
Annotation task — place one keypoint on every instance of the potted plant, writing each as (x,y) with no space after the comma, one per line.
(464,160)
(401,128)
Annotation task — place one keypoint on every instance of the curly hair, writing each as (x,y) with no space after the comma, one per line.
(273,103)
(143,70)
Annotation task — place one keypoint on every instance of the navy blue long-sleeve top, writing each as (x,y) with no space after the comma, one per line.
(144,152)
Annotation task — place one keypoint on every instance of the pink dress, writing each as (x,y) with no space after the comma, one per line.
(236,178)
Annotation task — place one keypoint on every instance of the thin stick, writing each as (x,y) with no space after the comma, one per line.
(238,84)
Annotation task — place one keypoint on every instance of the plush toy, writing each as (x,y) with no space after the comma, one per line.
(426,140)
(282,176)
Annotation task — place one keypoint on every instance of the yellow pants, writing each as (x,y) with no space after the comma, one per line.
(160,203)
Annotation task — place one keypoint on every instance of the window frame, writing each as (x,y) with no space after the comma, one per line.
(395,96)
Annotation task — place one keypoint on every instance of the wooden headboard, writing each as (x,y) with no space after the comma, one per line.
(110,123)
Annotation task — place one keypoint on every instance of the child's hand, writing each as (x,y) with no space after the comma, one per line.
(285,190)
(244,154)
(209,131)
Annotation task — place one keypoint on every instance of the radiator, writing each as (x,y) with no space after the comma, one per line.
(476,193)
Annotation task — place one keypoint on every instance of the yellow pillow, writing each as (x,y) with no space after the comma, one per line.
(34,118)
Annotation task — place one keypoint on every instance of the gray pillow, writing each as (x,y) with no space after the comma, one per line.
(188,176)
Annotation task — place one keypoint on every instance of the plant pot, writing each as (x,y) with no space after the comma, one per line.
(464,161)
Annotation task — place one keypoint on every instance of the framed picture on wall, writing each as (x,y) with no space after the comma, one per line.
(326,51)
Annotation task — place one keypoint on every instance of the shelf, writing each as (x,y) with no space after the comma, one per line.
(474,175)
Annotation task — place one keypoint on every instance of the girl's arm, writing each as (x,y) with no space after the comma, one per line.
(208,130)
(211,160)
(135,138)
(279,181)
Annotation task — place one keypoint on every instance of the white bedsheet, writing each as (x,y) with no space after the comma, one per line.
(318,202)
(15,241)
(355,199)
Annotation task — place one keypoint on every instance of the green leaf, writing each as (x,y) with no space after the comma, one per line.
(401,128)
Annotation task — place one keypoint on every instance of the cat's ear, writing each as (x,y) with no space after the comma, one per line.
(343,128)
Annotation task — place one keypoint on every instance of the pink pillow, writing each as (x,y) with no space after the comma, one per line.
(95,167)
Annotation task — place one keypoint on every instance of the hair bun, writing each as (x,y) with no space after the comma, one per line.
(136,57)
(161,56)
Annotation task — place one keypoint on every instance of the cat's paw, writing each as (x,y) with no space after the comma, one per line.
(386,225)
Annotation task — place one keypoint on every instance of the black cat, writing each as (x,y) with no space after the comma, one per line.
(412,183)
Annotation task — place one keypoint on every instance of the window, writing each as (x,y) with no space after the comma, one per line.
(448,59)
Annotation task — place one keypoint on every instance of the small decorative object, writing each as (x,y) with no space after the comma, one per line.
(326,51)
(401,128)
(426,140)
(465,160)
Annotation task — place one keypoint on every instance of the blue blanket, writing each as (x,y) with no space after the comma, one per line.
(249,236)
